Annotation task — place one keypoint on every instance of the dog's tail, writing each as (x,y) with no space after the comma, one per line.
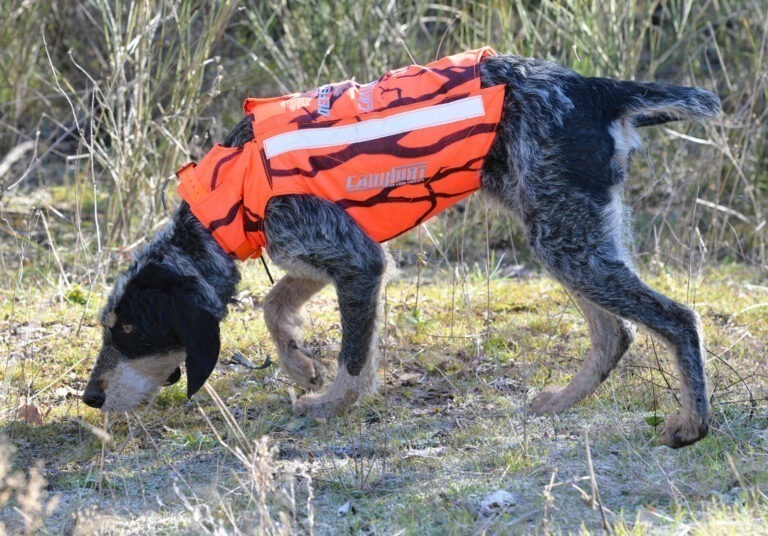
(647,103)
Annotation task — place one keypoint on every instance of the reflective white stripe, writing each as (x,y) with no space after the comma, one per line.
(431,116)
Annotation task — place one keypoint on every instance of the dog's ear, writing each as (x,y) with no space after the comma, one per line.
(198,331)
(184,314)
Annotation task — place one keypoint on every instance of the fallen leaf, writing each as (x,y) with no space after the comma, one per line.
(410,378)
(67,392)
(649,516)
(497,502)
(30,415)
(297,423)
(655,421)
(429,452)
(346,509)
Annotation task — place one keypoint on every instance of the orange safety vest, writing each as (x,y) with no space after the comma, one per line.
(392,153)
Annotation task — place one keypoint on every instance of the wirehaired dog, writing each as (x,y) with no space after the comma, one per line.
(558,162)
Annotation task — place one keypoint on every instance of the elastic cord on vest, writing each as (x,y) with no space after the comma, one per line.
(266,269)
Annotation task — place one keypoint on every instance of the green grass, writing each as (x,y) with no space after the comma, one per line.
(102,101)
(447,428)
(108,99)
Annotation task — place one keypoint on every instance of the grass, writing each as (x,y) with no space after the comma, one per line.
(447,428)
(101,101)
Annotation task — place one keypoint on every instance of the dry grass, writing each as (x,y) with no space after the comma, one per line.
(23,491)
(99,112)
(101,101)
(432,451)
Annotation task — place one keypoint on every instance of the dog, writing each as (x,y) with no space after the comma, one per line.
(557,159)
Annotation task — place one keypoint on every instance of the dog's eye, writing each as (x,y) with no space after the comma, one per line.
(127,328)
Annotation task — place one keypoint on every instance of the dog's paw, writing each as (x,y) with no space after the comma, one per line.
(683,429)
(550,400)
(324,405)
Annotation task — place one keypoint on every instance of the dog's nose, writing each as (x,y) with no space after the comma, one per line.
(94,397)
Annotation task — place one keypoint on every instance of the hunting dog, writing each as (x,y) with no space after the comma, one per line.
(558,162)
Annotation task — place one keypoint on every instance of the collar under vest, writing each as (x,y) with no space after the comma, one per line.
(392,153)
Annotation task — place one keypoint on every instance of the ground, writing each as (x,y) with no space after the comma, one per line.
(446,446)
(100,103)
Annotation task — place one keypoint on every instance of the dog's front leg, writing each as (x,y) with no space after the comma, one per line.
(284,316)
(310,237)
(359,305)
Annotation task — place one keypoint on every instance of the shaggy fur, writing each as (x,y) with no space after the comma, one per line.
(558,162)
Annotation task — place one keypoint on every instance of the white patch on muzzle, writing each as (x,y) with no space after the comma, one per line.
(134,381)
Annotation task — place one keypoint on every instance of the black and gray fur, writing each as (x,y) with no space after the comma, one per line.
(559,162)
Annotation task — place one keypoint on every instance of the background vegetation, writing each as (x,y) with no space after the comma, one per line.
(101,101)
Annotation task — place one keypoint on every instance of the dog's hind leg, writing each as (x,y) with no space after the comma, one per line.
(619,289)
(610,337)
(284,316)
(585,252)
(614,286)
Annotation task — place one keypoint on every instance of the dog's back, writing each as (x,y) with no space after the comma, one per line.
(560,126)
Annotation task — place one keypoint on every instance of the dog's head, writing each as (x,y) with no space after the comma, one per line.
(155,319)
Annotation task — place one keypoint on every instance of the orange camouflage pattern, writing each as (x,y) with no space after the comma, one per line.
(354,145)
